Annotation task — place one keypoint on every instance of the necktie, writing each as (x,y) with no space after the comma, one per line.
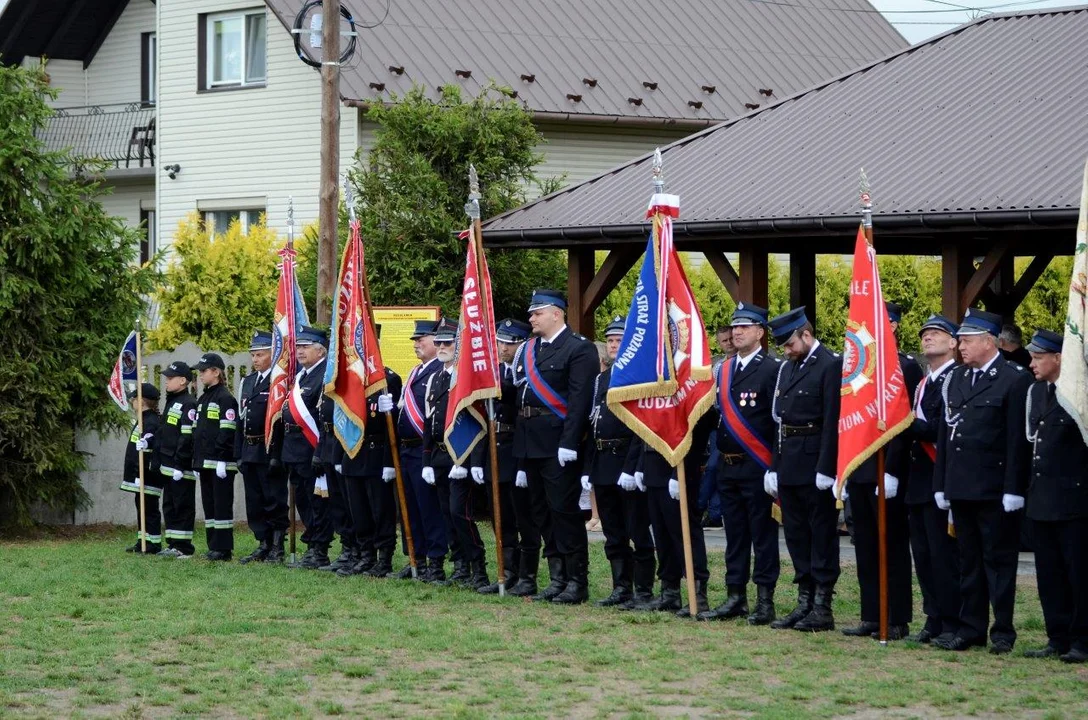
(1050,395)
(975,375)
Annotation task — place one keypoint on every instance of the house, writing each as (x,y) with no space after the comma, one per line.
(204,105)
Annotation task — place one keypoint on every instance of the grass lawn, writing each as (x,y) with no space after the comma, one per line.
(87,630)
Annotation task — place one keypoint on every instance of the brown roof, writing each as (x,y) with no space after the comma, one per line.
(717,54)
(982,125)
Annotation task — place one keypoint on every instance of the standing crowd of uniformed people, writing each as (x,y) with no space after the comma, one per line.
(990,449)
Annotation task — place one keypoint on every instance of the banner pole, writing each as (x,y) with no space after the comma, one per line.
(140,431)
(496,512)
(685,528)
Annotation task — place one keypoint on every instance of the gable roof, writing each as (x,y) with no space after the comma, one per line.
(984,124)
(58,29)
(734,48)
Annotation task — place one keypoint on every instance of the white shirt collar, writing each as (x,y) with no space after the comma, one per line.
(934,374)
(815,344)
(557,334)
(986,367)
(744,360)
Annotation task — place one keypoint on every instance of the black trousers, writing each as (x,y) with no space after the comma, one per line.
(989,544)
(339,512)
(625,519)
(811,524)
(1061,570)
(669,537)
(217,497)
(462,496)
(430,531)
(373,508)
(746,514)
(937,564)
(179,513)
(867,549)
(266,499)
(152,516)
(554,492)
(312,509)
(528,528)
(441,463)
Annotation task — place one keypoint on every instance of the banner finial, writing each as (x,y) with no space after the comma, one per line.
(658,172)
(866,199)
(290,220)
(349,198)
(472,207)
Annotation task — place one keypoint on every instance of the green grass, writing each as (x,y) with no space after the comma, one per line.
(87,630)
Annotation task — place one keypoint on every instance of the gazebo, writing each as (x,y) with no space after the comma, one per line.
(974,143)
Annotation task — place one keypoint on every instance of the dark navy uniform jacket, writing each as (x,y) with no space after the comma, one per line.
(253,403)
(296,449)
(376,453)
(754,387)
(1058,488)
(807,399)
(922,433)
(175,436)
(610,448)
(216,425)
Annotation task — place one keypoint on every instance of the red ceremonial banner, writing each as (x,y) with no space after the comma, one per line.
(875,407)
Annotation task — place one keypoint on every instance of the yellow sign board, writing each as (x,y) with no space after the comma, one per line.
(398,323)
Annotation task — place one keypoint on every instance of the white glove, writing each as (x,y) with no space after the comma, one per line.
(141,445)
(770,483)
(674,489)
(845,493)
(841,494)
(339,469)
(823,482)
(891,486)
(178,475)
(321,486)
(385,403)
(586,485)
(943,504)
(638,481)
(566,456)
(522,480)
(478,475)
(1012,503)
(627,482)
(428,475)
(221,470)
(389,474)
(458,472)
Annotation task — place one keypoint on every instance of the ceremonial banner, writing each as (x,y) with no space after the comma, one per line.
(875,407)
(661,380)
(476,374)
(290,315)
(1072,385)
(354,370)
(124,369)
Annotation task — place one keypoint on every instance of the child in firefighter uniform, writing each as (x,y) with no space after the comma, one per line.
(141,449)
(175,457)
(213,455)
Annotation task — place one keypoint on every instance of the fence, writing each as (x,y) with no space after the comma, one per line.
(123,133)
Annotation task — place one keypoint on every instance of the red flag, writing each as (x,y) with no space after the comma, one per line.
(875,407)
(290,314)
(476,376)
(661,382)
(355,369)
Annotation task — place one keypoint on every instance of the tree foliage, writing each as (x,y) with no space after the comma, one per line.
(411,189)
(70,292)
(217,290)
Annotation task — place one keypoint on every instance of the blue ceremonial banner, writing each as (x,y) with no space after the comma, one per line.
(124,370)
(642,368)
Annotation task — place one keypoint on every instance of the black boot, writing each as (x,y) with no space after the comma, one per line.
(526,584)
(735,605)
(558,580)
(804,607)
(319,558)
(275,548)
(364,560)
(621,584)
(406,571)
(864,629)
(257,555)
(384,564)
(302,561)
(644,583)
(436,570)
(577,590)
(345,559)
(764,614)
(478,575)
(509,574)
(461,573)
(820,619)
(701,605)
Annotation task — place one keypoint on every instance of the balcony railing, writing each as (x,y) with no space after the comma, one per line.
(122,135)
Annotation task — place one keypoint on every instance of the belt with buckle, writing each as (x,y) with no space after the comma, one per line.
(254,439)
(501,427)
(327,427)
(375,442)
(528,412)
(613,444)
(411,442)
(795,430)
(733,458)
(291,428)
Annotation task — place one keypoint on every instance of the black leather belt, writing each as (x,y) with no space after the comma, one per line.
(411,442)
(528,412)
(504,427)
(327,427)
(733,458)
(254,439)
(291,428)
(376,443)
(613,444)
(795,430)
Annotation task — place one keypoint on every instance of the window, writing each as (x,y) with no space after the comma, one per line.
(148,62)
(232,50)
(147,245)
(217,221)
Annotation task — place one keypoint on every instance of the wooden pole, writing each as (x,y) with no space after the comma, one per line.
(329,194)
(685,528)
(496,511)
(405,524)
(140,434)
(291,514)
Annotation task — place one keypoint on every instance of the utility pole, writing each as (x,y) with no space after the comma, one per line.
(329,194)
